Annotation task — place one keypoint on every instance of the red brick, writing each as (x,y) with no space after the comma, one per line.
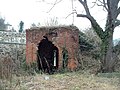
(67,36)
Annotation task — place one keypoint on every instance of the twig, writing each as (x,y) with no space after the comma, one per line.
(71,14)
(103,4)
(56,2)
(94,3)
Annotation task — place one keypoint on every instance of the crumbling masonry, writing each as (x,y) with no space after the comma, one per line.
(62,45)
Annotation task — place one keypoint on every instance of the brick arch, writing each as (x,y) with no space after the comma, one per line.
(47,56)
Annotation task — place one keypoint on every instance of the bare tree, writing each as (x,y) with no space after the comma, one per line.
(108,59)
(113,10)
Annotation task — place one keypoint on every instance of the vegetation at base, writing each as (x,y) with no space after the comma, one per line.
(21,76)
(31,69)
(84,42)
(90,43)
(81,80)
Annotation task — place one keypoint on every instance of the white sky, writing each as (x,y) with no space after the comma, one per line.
(35,11)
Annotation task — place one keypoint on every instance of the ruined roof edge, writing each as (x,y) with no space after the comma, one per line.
(49,27)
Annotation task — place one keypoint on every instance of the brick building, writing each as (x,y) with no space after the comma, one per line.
(61,45)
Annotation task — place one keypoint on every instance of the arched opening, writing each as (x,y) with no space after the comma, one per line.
(47,56)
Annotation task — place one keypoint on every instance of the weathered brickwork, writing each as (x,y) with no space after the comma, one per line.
(62,37)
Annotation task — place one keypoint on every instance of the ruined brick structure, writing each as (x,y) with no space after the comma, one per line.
(62,37)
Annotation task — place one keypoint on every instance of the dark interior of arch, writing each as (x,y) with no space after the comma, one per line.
(47,56)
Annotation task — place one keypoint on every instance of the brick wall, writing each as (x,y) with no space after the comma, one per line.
(66,36)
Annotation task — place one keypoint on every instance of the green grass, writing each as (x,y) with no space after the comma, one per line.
(110,75)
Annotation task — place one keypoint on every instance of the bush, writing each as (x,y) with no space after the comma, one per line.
(85,45)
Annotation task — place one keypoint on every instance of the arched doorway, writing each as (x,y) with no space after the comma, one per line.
(47,56)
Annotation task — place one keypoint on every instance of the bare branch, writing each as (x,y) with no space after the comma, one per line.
(74,12)
(100,3)
(117,13)
(94,24)
(103,4)
(52,6)
(48,2)
(118,10)
(94,3)
(83,15)
(56,2)
(84,3)
(81,1)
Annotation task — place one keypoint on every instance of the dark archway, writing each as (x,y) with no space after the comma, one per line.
(47,56)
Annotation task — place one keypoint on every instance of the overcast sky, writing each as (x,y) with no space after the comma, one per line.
(36,11)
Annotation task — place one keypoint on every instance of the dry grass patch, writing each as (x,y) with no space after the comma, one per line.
(66,81)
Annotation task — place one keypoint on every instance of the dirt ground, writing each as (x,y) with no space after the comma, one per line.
(66,81)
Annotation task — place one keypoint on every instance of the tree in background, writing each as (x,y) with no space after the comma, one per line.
(3,26)
(106,36)
(21,26)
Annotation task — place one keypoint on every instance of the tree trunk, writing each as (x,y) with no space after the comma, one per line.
(108,62)
(107,44)
(108,59)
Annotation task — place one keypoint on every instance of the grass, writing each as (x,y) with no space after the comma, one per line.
(110,75)
(67,81)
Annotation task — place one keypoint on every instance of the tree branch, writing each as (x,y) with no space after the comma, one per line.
(94,24)
(118,12)
(104,3)
(56,2)
(81,1)
(95,2)
(84,3)
(82,15)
